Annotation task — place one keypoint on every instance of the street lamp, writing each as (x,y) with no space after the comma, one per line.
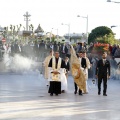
(68,30)
(50,35)
(86,25)
(57,32)
(112,1)
(113,26)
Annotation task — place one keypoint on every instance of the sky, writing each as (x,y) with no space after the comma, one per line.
(52,13)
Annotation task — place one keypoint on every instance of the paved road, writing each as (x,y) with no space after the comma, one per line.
(25,97)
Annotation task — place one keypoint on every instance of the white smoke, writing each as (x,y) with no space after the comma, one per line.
(22,63)
(18,63)
(6,60)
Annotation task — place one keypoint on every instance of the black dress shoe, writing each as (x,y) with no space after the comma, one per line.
(56,94)
(51,94)
(98,93)
(104,94)
(63,91)
(75,92)
(80,94)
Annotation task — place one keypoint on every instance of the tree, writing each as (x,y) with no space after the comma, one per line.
(11,27)
(31,27)
(18,27)
(101,34)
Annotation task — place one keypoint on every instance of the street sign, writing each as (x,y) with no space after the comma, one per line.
(3,40)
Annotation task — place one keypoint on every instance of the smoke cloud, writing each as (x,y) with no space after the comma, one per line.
(18,63)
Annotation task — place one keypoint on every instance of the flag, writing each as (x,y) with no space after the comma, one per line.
(77,72)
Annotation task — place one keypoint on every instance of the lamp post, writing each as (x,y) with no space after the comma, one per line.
(57,32)
(86,25)
(68,30)
(50,35)
(113,26)
(112,1)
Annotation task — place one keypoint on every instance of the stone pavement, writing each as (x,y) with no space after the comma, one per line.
(2,67)
(25,97)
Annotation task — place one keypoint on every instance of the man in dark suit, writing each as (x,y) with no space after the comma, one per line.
(67,66)
(83,66)
(41,46)
(12,49)
(16,48)
(102,73)
(63,50)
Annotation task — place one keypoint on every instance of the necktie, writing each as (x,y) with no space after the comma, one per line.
(104,61)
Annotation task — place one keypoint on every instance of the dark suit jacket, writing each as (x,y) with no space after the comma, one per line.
(56,59)
(65,49)
(103,69)
(83,63)
(16,48)
(41,46)
(67,66)
(12,48)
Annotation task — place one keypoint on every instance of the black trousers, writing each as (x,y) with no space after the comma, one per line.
(104,78)
(76,88)
(55,87)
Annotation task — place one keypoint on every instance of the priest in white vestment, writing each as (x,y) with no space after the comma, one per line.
(57,76)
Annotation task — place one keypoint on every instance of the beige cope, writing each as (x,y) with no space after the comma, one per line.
(46,63)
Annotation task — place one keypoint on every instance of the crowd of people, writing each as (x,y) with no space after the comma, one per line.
(56,70)
(39,50)
(77,59)
(114,50)
(33,49)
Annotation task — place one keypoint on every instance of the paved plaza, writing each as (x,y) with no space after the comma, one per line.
(25,97)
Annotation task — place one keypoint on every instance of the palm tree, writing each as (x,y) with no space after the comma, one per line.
(29,27)
(32,27)
(20,26)
(11,27)
(23,27)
